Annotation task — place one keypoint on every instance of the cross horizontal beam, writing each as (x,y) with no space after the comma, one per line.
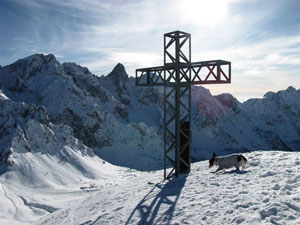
(204,72)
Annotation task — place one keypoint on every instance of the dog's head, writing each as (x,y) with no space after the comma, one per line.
(212,161)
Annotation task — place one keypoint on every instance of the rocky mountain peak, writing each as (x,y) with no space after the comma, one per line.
(291,89)
(227,99)
(120,80)
(24,74)
(118,74)
(37,59)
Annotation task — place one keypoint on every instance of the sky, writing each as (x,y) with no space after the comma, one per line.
(261,38)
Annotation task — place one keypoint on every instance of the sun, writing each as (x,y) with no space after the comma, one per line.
(203,12)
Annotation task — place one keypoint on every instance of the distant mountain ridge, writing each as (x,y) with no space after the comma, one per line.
(119,121)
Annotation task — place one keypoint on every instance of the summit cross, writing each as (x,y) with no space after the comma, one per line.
(176,76)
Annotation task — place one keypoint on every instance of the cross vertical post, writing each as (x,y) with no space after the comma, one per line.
(176,76)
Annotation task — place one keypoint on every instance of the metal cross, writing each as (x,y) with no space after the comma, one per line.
(176,76)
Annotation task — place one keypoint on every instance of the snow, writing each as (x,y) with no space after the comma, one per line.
(42,184)
(3,96)
(266,192)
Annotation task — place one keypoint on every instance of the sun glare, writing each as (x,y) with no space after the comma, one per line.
(203,12)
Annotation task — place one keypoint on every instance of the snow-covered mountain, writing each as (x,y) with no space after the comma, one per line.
(223,123)
(98,114)
(56,119)
(116,118)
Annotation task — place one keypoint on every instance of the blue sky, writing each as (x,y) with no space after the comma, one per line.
(260,37)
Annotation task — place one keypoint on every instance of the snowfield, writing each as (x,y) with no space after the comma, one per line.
(266,192)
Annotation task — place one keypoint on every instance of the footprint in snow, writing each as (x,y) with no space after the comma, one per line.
(276,187)
(269,212)
(268,174)
(254,163)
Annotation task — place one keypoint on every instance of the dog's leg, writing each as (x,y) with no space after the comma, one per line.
(243,165)
(237,167)
(218,169)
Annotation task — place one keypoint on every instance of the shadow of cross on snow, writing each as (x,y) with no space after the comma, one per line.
(157,207)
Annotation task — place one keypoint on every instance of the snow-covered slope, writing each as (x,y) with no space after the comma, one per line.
(266,192)
(38,158)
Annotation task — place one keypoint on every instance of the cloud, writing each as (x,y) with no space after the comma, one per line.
(260,67)
(131,60)
(259,37)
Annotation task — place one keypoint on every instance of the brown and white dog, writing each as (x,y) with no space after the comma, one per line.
(227,162)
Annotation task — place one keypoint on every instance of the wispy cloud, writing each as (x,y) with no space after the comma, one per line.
(132,60)
(260,67)
(260,37)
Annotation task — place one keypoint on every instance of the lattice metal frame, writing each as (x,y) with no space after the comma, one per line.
(176,76)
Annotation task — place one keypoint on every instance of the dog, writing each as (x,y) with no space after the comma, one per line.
(227,162)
